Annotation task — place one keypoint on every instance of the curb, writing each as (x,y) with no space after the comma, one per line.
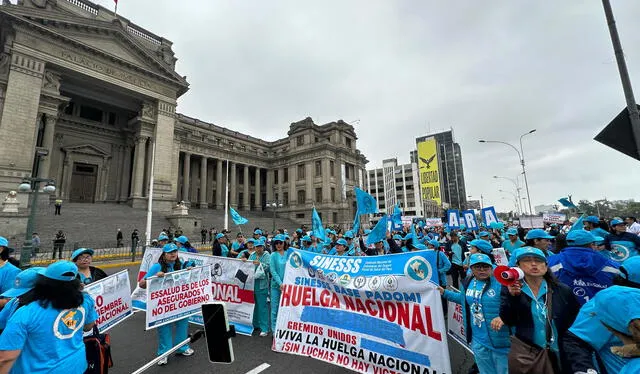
(118,264)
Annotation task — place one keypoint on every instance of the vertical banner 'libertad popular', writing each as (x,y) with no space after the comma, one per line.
(369,314)
(112,299)
(231,282)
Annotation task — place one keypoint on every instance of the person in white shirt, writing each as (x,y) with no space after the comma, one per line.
(632,225)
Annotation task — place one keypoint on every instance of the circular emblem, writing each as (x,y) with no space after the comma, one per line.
(374,283)
(579,291)
(331,277)
(216,270)
(418,269)
(491,293)
(312,272)
(345,279)
(68,322)
(359,281)
(390,283)
(295,261)
(320,273)
(619,252)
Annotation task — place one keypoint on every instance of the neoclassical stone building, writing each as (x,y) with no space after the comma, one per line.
(85,95)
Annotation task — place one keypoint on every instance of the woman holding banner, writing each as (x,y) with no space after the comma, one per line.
(480,299)
(261,260)
(167,263)
(277,264)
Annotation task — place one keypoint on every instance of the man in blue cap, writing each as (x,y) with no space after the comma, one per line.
(581,267)
(513,242)
(592,224)
(620,243)
(25,281)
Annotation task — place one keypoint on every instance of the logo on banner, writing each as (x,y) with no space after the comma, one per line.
(295,260)
(374,283)
(345,279)
(359,281)
(68,322)
(332,277)
(418,269)
(216,270)
(390,283)
(312,273)
(619,252)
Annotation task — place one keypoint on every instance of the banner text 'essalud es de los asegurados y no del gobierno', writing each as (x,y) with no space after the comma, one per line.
(378,314)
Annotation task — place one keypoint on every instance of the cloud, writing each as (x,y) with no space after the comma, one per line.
(488,70)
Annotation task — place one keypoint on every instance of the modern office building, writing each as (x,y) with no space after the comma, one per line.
(442,182)
(88,99)
(394,184)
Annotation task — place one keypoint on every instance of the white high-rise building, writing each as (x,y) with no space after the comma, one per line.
(393,184)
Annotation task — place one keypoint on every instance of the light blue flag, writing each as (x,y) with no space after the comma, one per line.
(396,218)
(316,226)
(413,232)
(356,224)
(567,203)
(237,218)
(578,224)
(379,232)
(366,203)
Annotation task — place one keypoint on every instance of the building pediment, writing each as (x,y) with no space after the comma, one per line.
(116,41)
(87,150)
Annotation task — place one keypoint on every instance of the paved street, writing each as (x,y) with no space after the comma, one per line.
(133,347)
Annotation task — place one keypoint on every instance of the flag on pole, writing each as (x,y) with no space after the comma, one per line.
(379,232)
(356,224)
(237,218)
(366,203)
(578,224)
(316,225)
(567,203)
(396,218)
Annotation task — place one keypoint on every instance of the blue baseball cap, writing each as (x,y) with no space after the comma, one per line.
(163,237)
(65,271)
(483,245)
(434,243)
(580,237)
(259,243)
(420,247)
(3,242)
(614,222)
(219,235)
(342,242)
(169,247)
(592,219)
(182,239)
(348,234)
(24,282)
(306,238)
(250,240)
(616,306)
(257,232)
(299,231)
(479,258)
(279,238)
(512,231)
(630,269)
(79,252)
(530,251)
(483,233)
(538,234)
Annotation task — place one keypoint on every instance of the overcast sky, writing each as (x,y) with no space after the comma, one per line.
(397,69)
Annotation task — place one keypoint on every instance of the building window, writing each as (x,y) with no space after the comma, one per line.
(285,198)
(111,119)
(300,215)
(240,178)
(90,113)
(275,178)
(318,195)
(333,194)
(302,196)
(69,108)
(300,140)
(348,171)
(318,168)
(301,172)
(335,217)
(332,166)
(285,175)
(275,196)
(348,142)
(317,139)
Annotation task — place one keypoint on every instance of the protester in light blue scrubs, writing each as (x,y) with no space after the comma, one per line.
(621,244)
(8,272)
(184,245)
(442,261)
(480,299)
(167,263)
(307,245)
(45,335)
(524,305)
(277,264)
(262,259)
(513,242)
(250,248)
(219,247)
(536,238)
(25,281)
(82,257)
(592,224)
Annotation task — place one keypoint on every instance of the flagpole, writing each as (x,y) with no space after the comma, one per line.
(226,199)
(116,10)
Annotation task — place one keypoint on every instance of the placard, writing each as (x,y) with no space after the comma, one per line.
(112,298)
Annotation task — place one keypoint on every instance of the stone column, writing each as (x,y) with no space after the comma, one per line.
(309,176)
(281,185)
(233,190)
(203,183)
(245,189)
(125,172)
(219,187)
(186,176)
(147,168)
(258,191)
(66,176)
(139,155)
(326,189)
(293,196)
(270,185)
(47,143)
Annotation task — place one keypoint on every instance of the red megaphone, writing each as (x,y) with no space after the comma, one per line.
(507,276)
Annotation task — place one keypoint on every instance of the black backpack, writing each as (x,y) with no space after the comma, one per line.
(98,350)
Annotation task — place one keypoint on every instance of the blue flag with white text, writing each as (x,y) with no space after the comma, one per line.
(237,218)
(366,203)
(316,225)
(379,232)
(396,218)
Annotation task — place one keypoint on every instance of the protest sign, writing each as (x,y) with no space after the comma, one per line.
(231,282)
(112,299)
(378,314)
(431,222)
(470,219)
(531,222)
(453,219)
(500,256)
(489,215)
(554,218)
(455,324)
(177,295)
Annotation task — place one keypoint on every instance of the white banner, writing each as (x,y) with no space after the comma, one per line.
(231,281)
(531,222)
(112,298)
(500,256)
(177,295)
(378,314)
(554,218)
(455,324)
(430,222)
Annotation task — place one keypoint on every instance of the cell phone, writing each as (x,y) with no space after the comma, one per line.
(216,330)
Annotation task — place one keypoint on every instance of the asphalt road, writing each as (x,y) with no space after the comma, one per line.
(133,347)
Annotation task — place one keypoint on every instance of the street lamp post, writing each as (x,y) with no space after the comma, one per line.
(517,186)
(33,185)
(275,204)
(515,199)
(522,164)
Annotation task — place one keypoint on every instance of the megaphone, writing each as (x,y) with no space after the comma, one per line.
(507,276)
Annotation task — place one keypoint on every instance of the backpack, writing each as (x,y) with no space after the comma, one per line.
(98,350)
